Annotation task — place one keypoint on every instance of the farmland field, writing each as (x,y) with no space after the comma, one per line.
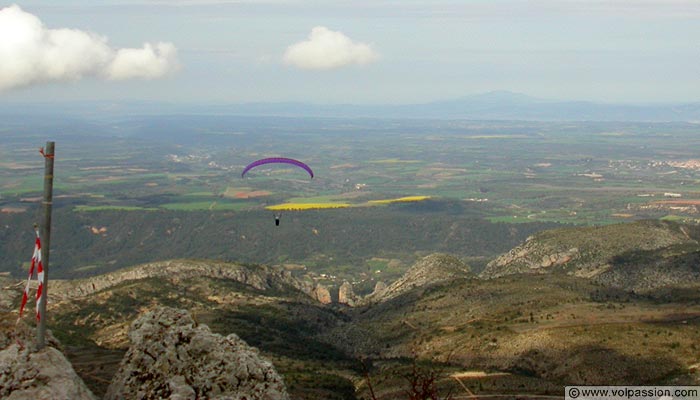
(580,173)
(370,175)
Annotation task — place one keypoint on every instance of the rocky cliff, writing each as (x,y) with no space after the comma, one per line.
(321,294)
(346,294)
(172,357)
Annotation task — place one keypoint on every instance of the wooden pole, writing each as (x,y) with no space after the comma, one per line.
(45,241)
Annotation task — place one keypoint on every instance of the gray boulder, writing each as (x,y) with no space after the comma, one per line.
(172,357)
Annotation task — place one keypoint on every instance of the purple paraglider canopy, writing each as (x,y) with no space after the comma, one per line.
(277,160)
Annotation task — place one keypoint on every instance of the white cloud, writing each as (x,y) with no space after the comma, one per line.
(149,62)
(327,49)
(30,54)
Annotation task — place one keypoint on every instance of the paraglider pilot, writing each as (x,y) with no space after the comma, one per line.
(277,219)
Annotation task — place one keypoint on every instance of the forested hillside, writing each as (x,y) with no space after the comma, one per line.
(87,243)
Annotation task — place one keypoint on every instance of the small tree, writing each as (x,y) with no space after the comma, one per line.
(422,383)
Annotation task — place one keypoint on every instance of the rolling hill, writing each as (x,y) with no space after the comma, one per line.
(515,332)
(639,256)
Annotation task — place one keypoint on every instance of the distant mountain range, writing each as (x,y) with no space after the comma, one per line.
(498,105)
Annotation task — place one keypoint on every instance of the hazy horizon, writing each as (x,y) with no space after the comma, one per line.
(466,96)
(338,52)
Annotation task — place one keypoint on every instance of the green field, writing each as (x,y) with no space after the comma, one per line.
(570,173)
(511,173)
(207,206)
(111,208)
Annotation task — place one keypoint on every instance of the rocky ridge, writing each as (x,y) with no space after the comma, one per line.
(668,267)
(431,269)
(600,252)
(259,277)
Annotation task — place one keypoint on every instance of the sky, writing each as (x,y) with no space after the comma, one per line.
(348,52)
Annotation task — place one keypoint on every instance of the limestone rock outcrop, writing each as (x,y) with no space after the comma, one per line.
(346,295)
(379,287)
(31,375)
(530,257)
(322,294)
(259,277)
(172,357)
